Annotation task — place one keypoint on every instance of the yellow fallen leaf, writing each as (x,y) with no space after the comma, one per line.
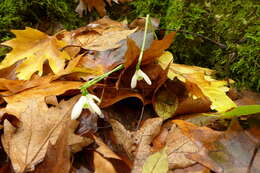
(157,162)
(34,48)
(199,82)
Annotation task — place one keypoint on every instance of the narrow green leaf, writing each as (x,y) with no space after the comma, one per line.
(238,111)
(242,110)
(156,163)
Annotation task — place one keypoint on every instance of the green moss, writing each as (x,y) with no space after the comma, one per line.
(231,22)
(16,14)
(44,15)
(234,23)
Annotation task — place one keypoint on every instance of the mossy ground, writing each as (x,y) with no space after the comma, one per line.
(234,23)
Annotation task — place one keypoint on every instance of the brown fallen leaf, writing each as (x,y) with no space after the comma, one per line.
(53,88)
(197,168)
(27,145)
(177,146)
(137,144)
(99,5)
(100,35)
(102,165)
(113,95)
(157,48)
(57,157)
(104,149)
(229,151)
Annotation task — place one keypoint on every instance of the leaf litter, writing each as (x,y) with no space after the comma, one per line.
(162,127)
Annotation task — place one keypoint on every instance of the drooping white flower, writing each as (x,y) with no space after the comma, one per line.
(89,102)
(139,75)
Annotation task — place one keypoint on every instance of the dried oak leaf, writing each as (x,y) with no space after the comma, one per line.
(137,144)
(199,82)
(37,47)
(178,145)
(27,145)
(57,157)
(229,151)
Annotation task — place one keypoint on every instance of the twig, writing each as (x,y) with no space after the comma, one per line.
(221,45)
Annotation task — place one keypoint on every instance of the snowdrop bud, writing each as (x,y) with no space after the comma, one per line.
(77,109)
(139,75)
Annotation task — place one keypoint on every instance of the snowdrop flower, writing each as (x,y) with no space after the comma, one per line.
(89,102)
(139,75)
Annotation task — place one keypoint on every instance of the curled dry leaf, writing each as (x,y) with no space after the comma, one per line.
(213,147)
(36,45)
(101,35)
(102,165)
(104,149)
(199,82)
(165,103)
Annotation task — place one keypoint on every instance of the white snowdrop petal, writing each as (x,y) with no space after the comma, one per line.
(147,79)
(77,108)
(134,80)
(94,107)
(93,97)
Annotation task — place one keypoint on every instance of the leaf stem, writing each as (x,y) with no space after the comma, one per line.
(143,44)
(84,87)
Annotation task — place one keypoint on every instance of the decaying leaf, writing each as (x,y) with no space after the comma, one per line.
(57,157)
(99,5)
(40,125)
(102,165)
(199,82)
(137,144)
(27,145)
(100,35)
(105,150)
(157,162)
(229,151)
(165,104)
(37,48)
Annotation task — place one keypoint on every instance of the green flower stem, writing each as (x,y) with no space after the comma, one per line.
(143,44)
(84,87)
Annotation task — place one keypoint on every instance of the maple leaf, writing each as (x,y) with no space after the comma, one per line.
(34,48)
(101,35)
(199,82)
